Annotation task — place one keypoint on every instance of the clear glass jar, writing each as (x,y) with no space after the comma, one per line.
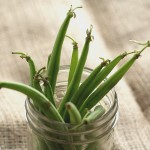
(45,134)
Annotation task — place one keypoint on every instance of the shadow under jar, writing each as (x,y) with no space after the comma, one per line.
(46,134)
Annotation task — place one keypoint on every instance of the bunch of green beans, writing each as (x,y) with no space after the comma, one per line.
(79,97)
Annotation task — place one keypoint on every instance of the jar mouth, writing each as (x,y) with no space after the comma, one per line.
(110,117)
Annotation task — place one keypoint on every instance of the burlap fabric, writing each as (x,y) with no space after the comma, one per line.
(31,27)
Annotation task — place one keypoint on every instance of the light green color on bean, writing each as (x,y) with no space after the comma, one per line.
(74,114)
(53,65)
(74,60)
(97,113)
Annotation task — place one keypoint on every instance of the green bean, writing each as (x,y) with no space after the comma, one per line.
(75,117)
(74,59)
(48,92)
(36,80)
(39,99)
(87,112)
(97,113)
(78,73)
(108,84)
(31,65)
(53,65)
(90,116)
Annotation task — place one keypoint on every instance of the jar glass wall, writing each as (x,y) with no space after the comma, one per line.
(45,134)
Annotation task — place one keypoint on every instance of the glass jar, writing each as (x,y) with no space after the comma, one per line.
(45,134)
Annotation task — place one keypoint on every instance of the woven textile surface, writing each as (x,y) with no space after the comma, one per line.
(31,27)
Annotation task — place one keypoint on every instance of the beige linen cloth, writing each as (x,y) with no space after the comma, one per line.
(31,27)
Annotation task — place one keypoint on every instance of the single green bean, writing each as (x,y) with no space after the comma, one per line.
(90,116)
(108,84)
(97,113)
(74,59)
(31,65)
(75,117)
(73,86)
(39,99)
(53,65)
(48,92)
(36,80)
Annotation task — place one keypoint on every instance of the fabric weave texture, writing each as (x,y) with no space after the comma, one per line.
(31,27)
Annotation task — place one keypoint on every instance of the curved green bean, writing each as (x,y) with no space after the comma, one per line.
(97,113)
(90,116)
(38,98)
(75,117)
(31,65)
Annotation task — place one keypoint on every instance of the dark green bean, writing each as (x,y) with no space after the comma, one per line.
(78,73)
(74,59)
(48,92)
(53,65)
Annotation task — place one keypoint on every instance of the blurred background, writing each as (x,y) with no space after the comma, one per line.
(121,21)
(31,27)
